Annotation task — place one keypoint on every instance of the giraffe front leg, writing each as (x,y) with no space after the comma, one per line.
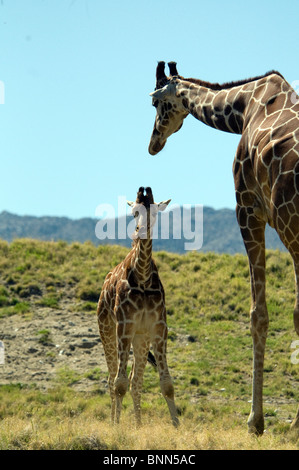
(253,233)
(259,327)
(121,381)
(140,349)
(159,342)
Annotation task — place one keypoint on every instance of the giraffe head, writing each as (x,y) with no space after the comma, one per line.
(169,105)
(145,212)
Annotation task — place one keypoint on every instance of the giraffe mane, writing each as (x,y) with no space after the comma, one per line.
(217,86)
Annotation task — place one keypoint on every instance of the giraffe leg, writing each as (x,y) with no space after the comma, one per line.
(124,339)
(296,310)
(295,423)
(159,342)
(253,233)
(107,331)
(140,350)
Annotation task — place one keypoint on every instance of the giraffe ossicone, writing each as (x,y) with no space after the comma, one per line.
(131,312)
(265,111)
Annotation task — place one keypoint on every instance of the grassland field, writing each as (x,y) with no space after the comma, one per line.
(53,384)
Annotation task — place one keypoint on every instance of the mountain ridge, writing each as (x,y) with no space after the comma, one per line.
(221,233)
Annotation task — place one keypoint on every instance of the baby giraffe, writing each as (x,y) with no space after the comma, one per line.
(131,311)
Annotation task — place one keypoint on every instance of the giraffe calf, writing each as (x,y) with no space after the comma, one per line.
(131,312)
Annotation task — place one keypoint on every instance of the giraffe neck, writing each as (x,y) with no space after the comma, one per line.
(142,260)
(226,108)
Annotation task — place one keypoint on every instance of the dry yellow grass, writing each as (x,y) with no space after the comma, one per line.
(91,434)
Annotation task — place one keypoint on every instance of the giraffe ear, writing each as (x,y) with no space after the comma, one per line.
(163,204)
(130,203)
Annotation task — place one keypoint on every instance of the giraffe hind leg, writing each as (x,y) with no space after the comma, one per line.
(295,423)
(166,385)
(293,249)
(107,331)
(252,230)
(140,351)
(111,359)
(296,310)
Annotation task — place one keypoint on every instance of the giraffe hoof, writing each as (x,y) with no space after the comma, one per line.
(256,426)
(176,422)
(295,425)
(255,430)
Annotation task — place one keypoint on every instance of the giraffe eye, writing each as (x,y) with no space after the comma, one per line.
(155,103)
(136,214)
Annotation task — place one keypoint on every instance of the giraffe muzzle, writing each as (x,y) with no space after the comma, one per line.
(156,147)
(141,232)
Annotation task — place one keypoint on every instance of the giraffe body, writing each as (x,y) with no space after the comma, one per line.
(131,312)
(265,111)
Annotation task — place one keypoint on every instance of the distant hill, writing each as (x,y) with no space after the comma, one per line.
(221,233)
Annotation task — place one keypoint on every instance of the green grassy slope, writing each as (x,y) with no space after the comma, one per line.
(209,350)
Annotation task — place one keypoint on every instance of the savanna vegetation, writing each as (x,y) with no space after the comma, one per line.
(209,353)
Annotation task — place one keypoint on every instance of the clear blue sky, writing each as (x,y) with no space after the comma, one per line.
(77,117)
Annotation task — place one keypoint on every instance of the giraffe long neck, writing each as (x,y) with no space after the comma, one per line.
(227,109)
(142,260)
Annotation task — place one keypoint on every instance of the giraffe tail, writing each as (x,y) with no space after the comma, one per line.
(151,359)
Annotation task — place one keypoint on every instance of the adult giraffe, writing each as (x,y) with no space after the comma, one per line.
(265,111)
